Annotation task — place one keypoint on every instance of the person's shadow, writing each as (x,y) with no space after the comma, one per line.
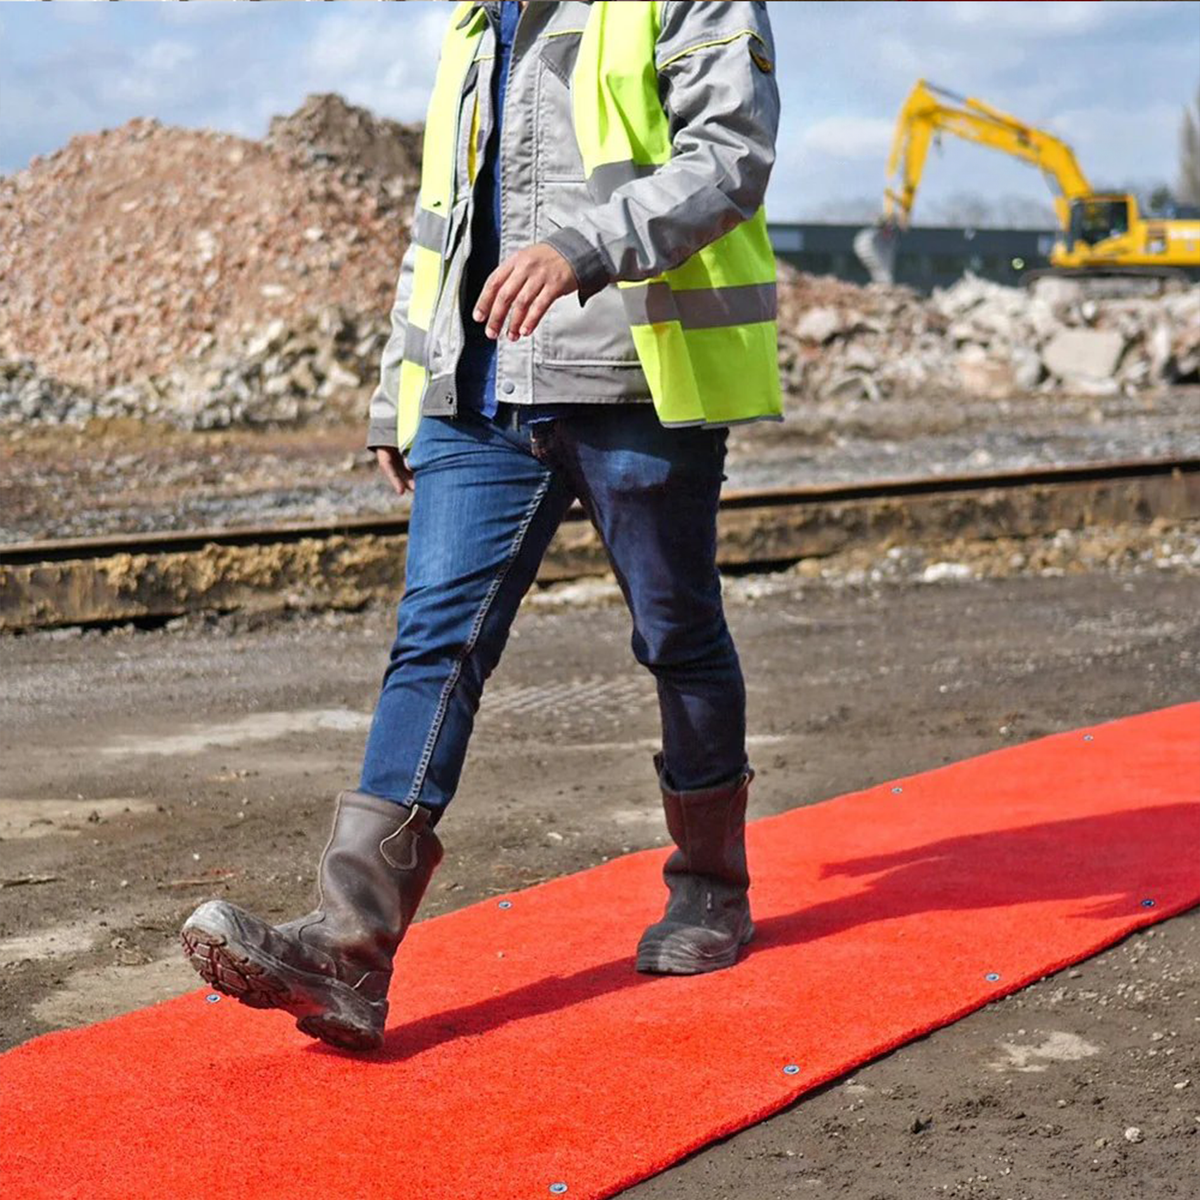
(1107,862)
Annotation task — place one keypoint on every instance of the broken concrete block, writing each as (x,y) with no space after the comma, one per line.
(819,325)
(853,385)
(1084,354)
(1026,368)
(984,376)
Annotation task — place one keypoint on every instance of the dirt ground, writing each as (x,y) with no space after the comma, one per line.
(69,482)
(134,762)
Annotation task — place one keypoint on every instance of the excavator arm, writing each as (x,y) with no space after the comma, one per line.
(1103,235)
(930,110)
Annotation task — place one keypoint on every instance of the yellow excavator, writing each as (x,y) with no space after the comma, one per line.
(1102,234)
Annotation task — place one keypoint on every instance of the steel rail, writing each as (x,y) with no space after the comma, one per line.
(814,495)
(346,563)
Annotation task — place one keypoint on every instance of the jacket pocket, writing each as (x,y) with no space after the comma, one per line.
(558,156)
(595,334)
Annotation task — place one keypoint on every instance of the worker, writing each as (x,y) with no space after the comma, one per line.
(587,304)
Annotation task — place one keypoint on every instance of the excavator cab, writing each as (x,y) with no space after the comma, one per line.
(1096,219)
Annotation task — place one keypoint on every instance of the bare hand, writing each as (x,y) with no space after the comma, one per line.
(522,288)
(395,470)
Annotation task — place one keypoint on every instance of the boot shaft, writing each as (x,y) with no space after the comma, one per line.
(372,875)
(708,827)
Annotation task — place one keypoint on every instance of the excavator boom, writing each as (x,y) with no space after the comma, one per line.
(930,110)
(1101,234)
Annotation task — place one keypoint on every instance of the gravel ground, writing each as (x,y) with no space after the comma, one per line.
(68,483)
(142,760)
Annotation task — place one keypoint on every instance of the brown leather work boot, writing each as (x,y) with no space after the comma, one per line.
(707,919)
(331,967)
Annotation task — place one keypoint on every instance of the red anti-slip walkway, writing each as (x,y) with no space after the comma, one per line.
(524,1051)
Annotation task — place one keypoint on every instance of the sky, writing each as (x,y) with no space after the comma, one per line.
(1111,77)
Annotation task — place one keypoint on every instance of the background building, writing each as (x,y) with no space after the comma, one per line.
(928,256)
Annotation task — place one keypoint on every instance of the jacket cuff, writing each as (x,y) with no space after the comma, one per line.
(585,260)
(381,434)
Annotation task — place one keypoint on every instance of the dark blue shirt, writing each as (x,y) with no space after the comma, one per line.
(476,375)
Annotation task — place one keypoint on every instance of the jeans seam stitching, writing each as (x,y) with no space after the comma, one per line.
(451,683)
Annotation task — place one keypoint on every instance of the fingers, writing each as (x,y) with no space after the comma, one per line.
(537,310)
(522,288)
(494,300)
(408,480)
(388,467)
(530,294)
(395,470)
(509,290)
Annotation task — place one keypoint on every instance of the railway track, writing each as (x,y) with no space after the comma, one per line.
(344,563)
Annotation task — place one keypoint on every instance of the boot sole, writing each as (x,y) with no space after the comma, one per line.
(658,959)
(326,1009)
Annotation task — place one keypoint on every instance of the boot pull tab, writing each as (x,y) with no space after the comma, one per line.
(412,844)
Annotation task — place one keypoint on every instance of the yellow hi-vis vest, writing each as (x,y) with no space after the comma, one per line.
(705,331)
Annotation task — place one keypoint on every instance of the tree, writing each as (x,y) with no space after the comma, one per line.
(1161,199)
(1189,154)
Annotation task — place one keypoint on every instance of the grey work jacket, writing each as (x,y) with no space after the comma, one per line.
(718,90)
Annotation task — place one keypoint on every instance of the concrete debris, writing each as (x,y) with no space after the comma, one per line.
(211,281)
(363,150)
(1092,354)
(1134,549)
(940,572)
(841,341)
(320,368)
(819,325)
(134,251)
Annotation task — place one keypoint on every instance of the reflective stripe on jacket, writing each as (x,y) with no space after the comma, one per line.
(677,211)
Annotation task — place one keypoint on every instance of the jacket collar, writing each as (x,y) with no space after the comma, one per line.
(491,7)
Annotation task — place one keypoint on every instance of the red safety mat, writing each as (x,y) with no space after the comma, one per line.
(525,1055)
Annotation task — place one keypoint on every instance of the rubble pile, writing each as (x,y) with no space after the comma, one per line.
(211,281)
(361,149)
(27,397)
(841,341)
(318,368)
(137,251)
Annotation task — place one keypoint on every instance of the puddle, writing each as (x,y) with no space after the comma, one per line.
(257,727)
(1057,1047)
(40,818)
(97,993)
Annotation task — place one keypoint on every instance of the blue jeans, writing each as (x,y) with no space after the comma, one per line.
(490,493)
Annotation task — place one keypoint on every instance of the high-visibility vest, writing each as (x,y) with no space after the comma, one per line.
(705,331)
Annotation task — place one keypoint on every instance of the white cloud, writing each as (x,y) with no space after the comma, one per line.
(385,57)
(199,12)
(1037,16)
(164,56)
(79,13)
(1110,76)
(849,137)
